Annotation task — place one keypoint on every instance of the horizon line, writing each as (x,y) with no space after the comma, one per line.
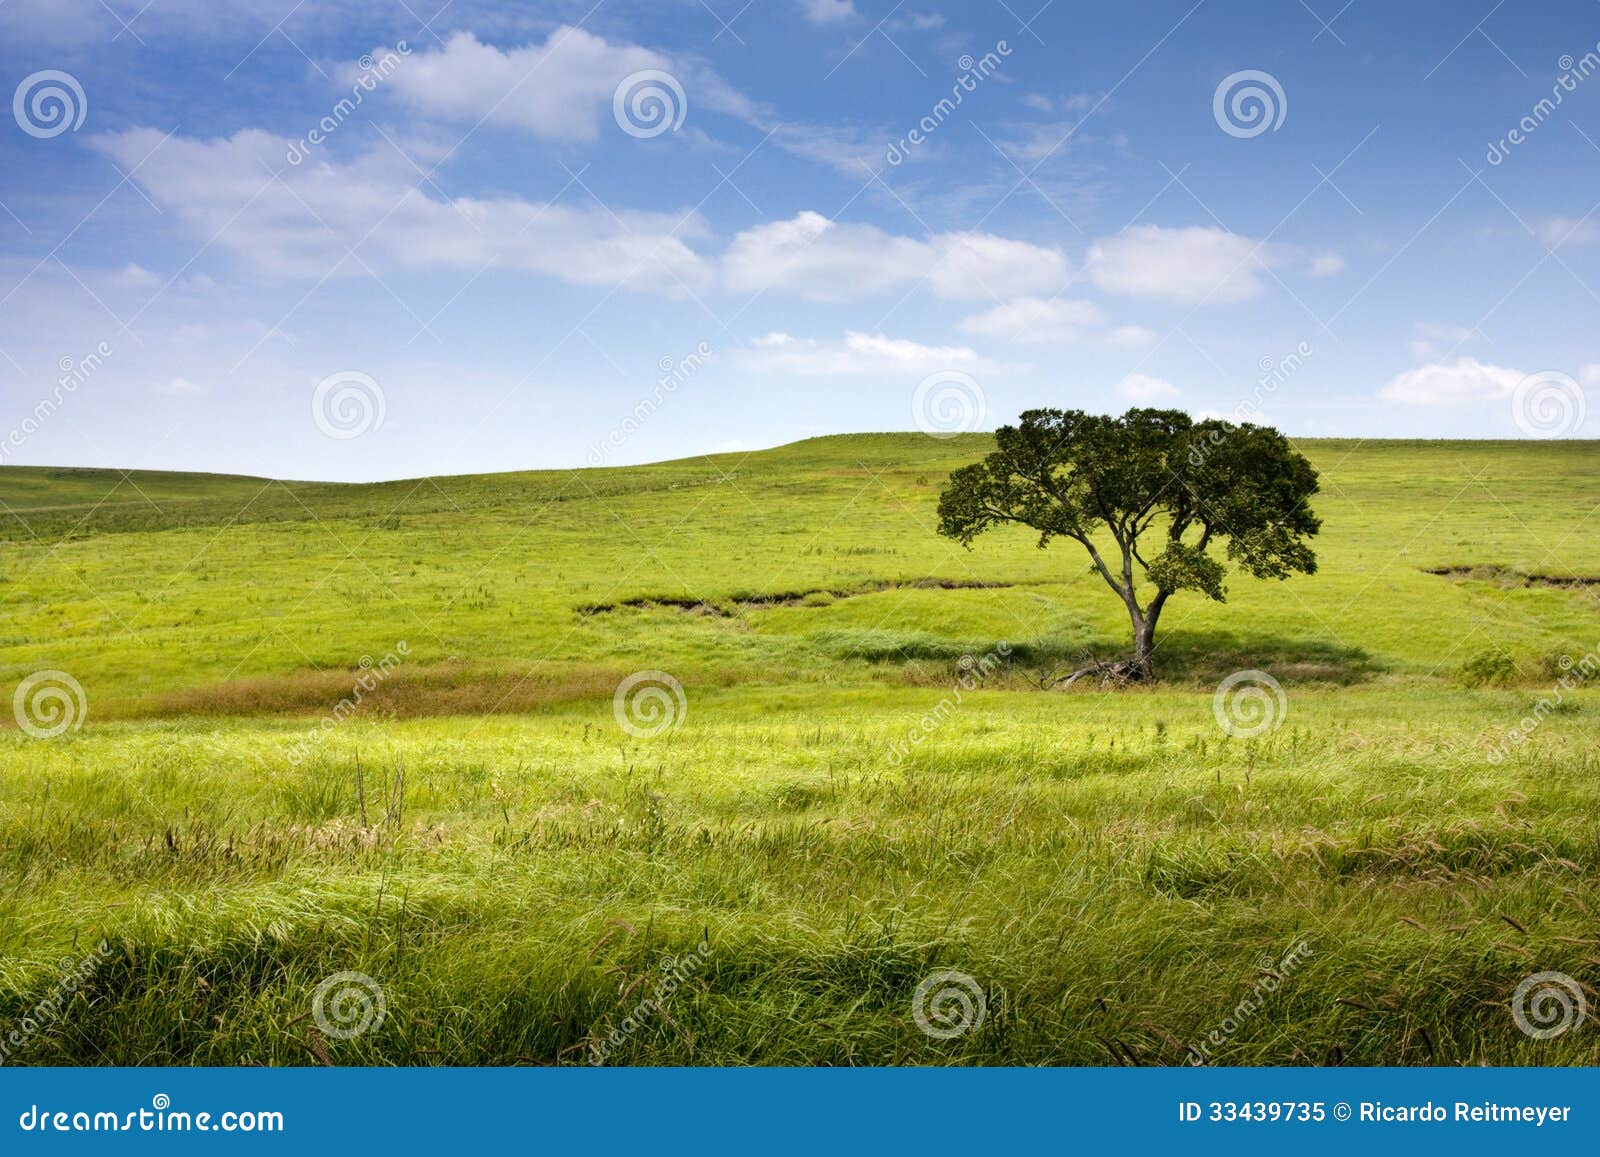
(743,453)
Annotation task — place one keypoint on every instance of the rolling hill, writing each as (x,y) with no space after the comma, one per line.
(389,730)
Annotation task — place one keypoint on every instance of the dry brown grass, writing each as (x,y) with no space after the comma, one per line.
(407,692)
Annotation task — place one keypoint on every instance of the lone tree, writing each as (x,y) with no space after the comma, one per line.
(1162,486)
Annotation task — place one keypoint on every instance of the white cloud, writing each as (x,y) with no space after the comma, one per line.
(829,261)
(1031,143)
(1188,265)
(828,11)
(1425,346)
(1131,335)
(1052,321)
(134,276)
(858,354)
(981,265)
(303,223)
(852,150)
(1449,384)
(1144,389)
(1038,320)
(563,89)
(559,90)
(1327,265)
(920,21)
(1569,231)
(306,221)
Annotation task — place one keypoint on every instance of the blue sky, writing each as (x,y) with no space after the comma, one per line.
(491,260)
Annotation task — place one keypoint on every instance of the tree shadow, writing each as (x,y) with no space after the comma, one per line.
(1207,656)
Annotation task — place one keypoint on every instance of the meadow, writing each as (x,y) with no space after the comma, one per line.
(370,729)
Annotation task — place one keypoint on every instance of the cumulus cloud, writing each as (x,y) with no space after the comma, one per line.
(1569,231)
(1425,346)
(853,150)
(1052,321)
(136,276)
(1130,335)
(1038,320)
(302,222)
(1142,389)
(559,90)
(1463,381)
(1187,265)
(858,354)
(830,261)
(920,21)
(314,214)
(828,11)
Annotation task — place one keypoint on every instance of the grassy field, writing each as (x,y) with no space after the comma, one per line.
(332,729)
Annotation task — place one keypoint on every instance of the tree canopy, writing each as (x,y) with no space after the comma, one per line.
(1166,490)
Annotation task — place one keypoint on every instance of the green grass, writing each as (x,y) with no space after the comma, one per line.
(483,840)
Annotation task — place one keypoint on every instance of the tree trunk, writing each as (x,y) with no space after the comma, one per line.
(1140,667)
(1143,645)
(1144,638)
